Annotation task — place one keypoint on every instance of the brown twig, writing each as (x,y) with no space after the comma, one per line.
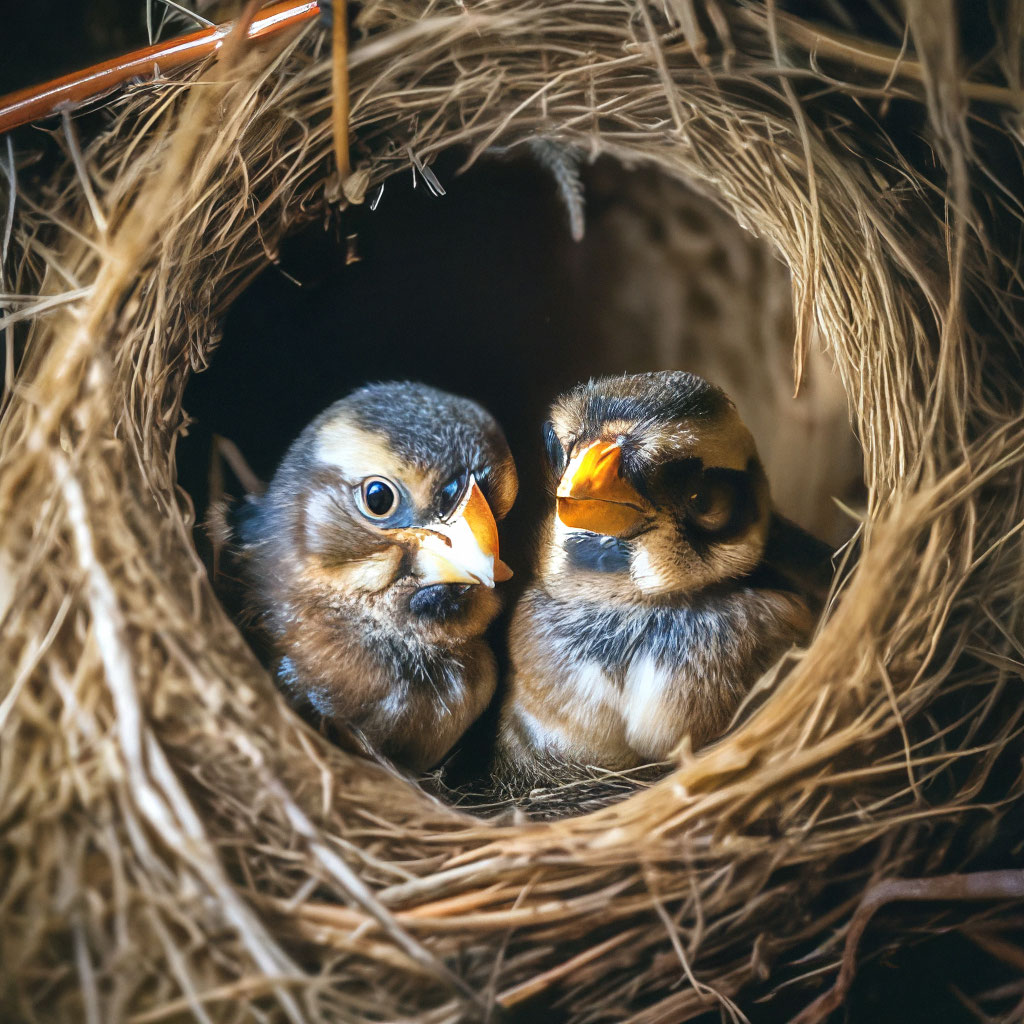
(339,85)
(232,455)
(981,885)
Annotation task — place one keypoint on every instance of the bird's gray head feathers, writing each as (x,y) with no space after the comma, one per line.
(396,484)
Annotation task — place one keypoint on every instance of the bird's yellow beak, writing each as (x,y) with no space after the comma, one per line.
(593,495)
(464,547)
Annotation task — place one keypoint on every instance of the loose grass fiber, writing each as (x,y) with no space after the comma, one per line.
(177,845)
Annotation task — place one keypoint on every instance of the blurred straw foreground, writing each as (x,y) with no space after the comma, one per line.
(177,845)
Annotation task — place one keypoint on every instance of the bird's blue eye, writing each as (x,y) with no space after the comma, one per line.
(450,494)
(380,497)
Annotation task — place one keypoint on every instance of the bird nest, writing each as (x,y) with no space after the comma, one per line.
(177,843)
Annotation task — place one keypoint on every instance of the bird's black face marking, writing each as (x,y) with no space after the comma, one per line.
(636,468)
(440,602)
(554,450)
(597,553)
(713,505)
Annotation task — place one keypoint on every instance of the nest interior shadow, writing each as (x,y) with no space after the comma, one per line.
(484,292)
(177,843)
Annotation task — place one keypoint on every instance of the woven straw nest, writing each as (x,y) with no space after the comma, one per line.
(177,844)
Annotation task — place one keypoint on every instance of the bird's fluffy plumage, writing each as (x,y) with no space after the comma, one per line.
(662,588)
(336,594)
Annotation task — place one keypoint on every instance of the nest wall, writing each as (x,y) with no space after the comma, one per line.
(176,843)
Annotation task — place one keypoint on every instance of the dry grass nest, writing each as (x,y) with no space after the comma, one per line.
(177,844)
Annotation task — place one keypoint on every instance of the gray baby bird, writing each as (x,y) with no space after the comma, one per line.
(368,566)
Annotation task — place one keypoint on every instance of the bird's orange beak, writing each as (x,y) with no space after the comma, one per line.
(593,495)
(464,547)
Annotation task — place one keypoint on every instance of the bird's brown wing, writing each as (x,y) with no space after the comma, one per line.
(803,560)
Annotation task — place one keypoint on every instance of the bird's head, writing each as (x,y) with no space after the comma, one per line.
(391,497)
(658,485)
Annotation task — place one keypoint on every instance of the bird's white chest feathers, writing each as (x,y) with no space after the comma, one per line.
(651,717)
(593,689)
(641,707)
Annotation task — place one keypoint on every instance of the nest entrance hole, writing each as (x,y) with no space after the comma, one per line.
(484,292)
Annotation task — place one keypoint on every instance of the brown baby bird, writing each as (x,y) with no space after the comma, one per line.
(665,582)
(368,566)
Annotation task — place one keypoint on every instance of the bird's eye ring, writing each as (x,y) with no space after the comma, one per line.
(378,497)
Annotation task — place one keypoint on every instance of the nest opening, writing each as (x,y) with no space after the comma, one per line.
(484,292)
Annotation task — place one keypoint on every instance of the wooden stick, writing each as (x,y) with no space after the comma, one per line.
(18,108)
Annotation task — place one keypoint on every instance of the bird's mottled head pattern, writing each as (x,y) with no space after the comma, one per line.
(388,500)
(435,433)
(658,484)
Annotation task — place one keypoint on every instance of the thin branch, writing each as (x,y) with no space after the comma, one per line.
(27,105)
(982,885)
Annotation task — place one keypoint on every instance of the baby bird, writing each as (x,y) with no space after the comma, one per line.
(368,565)
(665,583)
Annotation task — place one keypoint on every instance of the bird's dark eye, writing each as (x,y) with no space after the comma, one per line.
(380,497)
(450,494)
(553,448)
(711,504)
